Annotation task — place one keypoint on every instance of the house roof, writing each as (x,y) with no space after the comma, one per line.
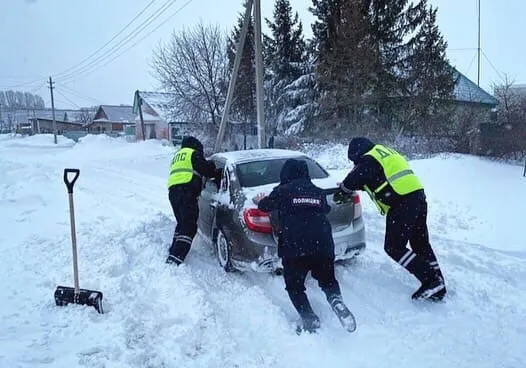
(19,116)
(60,121)
(161,102)
(115,113)
(466,90)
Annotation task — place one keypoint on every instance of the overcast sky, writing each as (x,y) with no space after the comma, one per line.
(42,38)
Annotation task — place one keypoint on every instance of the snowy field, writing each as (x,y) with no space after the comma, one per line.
(198,316)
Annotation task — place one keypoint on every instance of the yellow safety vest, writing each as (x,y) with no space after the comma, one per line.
(397,172)
(181,169)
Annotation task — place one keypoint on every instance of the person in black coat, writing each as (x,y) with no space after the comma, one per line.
(305,240)
(406,213)
(183,195)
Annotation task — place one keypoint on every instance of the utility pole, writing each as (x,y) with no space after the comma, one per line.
(142,119)
(53,110)
(235,69)
(478,49)
(259,75)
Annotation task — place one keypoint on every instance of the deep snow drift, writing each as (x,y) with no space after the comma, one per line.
(198,316)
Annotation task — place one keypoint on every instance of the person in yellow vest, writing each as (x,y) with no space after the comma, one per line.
(187,169)
(399,195)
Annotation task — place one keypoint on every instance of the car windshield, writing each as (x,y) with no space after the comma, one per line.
(252,174)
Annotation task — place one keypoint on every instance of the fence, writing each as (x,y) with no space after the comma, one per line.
(502,140)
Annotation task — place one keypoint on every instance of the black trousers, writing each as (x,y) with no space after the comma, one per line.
(295,271)
(186,212)
(407,222)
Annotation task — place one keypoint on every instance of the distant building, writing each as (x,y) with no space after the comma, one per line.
(40,125)
(518,90)
(467,92)
(111,118)
(157,114)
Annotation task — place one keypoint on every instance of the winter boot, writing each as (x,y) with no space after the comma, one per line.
(309,323)
(434,290)
(344,314)
(173,260)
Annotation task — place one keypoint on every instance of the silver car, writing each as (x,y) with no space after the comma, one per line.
(242,236)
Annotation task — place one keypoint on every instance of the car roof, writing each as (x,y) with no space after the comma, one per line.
(242,156)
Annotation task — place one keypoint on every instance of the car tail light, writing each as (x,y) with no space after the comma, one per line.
(257,220)
(357,205)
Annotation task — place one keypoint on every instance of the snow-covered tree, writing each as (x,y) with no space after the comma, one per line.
(286,64)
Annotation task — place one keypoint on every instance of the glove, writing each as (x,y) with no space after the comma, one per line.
(340,197)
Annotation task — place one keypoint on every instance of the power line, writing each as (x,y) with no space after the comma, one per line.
(134,44)
(96,62)
(499,74)
(107,43)
(120,44)
(68,99)
(471,63)
(29,84)
(87,58)
(81,95)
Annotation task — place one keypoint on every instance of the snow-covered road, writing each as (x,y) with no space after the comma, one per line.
(199,316)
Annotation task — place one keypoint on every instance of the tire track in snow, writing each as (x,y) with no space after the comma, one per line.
(254,312)
(157,316)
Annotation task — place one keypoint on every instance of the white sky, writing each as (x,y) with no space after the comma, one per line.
(42,38)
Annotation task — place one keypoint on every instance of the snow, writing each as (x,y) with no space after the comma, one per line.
(198,316)
(257,154)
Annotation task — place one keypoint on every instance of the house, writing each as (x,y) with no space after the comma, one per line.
(158,118)
(111,118)
(153,114)
(39,125)
(467,92)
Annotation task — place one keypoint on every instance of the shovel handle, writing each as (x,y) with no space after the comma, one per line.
(70,183)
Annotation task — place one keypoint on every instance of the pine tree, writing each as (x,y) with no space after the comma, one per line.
(285,55)
(345,59)
(391,22)
(244,104)
(430,79)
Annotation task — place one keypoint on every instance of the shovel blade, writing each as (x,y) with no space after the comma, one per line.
(65,295)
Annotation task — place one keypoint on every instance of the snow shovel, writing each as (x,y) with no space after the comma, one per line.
(65,295)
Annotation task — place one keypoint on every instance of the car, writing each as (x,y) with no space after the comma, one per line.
(243,237)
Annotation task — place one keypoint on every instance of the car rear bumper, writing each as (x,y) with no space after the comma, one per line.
(347,243)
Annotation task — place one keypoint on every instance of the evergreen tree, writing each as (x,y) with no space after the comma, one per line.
(285,57)
(301,97)
(430,80)
(345,59)
(244,104)
(391,23)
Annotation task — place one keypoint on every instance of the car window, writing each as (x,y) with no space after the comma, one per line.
(211,184)
(263,172)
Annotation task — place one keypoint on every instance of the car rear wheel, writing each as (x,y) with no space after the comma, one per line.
(223,251)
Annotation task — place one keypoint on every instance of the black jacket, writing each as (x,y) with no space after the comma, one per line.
(368,171)
(302,209)
(200,164)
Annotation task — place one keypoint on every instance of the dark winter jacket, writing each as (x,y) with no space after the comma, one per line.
(200,164)
(367,171)
(302,209)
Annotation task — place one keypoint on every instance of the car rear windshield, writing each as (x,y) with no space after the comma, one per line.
(253,174)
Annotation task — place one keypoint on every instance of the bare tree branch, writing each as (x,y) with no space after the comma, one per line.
(194,66)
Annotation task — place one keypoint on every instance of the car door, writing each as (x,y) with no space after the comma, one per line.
(208,204)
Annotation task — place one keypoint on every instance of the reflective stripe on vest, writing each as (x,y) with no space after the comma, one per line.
(181,169)
(397,172)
